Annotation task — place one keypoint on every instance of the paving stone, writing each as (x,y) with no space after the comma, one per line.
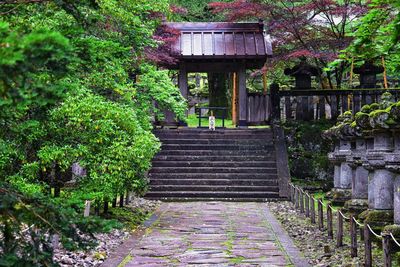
(209,234)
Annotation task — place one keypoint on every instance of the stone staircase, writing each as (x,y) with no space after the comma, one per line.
(228,164)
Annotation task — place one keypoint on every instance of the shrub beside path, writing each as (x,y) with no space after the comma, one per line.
(210,234)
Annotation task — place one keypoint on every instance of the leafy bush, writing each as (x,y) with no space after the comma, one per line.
(308,152)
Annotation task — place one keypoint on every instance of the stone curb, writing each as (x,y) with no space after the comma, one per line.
(286,242)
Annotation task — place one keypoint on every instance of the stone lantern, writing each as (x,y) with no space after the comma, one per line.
(302,73)
(368,72)
(380,187)
(392,162)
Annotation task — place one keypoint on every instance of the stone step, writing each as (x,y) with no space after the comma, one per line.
(266,137)
(222,199)
(214,182)
(217,131)
(206,188)
(242,153)
(231,176)
(213,194)
(193,170)
(215,147)
(182,162)
(217,141)
(215,158)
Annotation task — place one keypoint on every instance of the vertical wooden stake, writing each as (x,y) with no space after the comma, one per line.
(86,212)
(387,259)
(339,233)
(296,196)
(329,221)
(368,247)
(301,202)
(320,215)
(312,204)
(307,200)
(353,236)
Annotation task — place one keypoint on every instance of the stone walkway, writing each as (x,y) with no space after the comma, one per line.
(213,234)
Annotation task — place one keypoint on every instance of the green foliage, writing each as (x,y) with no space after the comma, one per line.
(308,160)
(68,95)
(376,35)
(34,221)
(103,136)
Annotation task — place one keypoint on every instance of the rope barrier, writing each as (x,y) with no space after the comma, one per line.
(372,231)
(361,225)
(332,208)
(322,203)
(394,239)
(344,217)
(357,222)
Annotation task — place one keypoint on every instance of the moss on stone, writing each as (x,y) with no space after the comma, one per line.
(377,219)
(394,229)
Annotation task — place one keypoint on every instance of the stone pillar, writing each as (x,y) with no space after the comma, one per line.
(343,173)
(359,186)
(393,164)
(380,191)
(346,172)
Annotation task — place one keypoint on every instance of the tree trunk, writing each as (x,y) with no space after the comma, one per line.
(217,83)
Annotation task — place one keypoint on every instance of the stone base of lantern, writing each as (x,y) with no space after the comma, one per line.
(356,206)
(338,196)
(377,219)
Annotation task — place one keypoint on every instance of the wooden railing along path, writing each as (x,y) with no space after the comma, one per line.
(305,202)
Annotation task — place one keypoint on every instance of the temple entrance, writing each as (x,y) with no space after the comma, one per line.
(223,51)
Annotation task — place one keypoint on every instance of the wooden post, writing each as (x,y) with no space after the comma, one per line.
(339,233)
(321,107)
(353,237)
(296,197)
(356,102)
(234,99)
(86,212)
(312,204)
(275,103)
(97,208)
(127,198)
(183,85)
(320,215)
(368,247)
(307,202)
(121,200)
(242,96)
(288,108)
(301,202)
(105,208)
(329,221)
(334,107)
(387,259)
